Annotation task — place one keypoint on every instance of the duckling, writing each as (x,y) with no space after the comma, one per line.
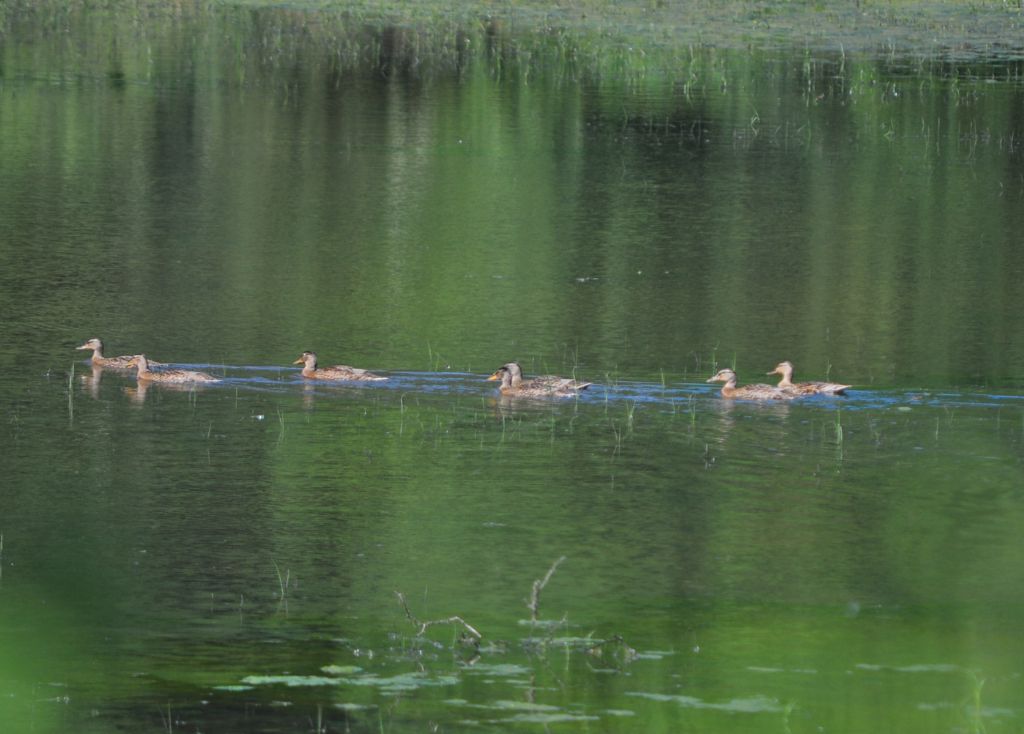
(142,364)
(337,372)
(805,388)
(748,392)
(118,363)
(545,386)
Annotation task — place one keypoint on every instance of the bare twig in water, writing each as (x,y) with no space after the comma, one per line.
(456,619)
(534,603)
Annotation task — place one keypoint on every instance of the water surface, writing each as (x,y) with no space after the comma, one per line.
(219,190)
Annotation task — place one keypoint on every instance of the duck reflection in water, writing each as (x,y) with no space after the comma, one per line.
(91,381)
(138,393)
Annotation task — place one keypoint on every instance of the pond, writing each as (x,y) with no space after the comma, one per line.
(222,187)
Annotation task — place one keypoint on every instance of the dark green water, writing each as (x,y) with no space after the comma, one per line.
(219,189)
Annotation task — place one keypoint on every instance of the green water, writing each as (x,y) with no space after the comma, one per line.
(224,189)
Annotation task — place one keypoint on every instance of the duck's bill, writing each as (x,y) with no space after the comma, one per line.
(495,376)
(300,360)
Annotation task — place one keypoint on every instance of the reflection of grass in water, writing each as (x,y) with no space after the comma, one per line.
(633,41)
(787,711)
(283,582)
(167,720)
(975,725)
(839,434)
(71,403)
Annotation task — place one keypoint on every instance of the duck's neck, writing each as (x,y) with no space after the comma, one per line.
(142,365)
(97,354)
(729,388)
(507,384)
(787,379)
(309,368)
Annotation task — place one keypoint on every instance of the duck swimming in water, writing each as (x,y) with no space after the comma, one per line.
(123,362)
(805,388)
(337,372)
(545,386)
(142,364)
(749,392)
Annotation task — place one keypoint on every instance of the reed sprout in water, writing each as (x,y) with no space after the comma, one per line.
(283,581)
(71,400)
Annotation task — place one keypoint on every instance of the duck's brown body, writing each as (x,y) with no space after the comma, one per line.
(142,365)
(749,392)
(338,372)
(805,388)
(544,386)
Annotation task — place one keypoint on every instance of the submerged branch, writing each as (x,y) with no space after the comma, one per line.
(534,603)
(456,619)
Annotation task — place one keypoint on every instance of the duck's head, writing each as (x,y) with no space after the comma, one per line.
(507,373)
(783,368)
(308,359)
(140,361)
(95,344)
(724,375)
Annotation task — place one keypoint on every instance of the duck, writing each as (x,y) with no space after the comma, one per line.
(123,362)
(544,386)
(749,392)
(805,388)
(142,364)
(337,372)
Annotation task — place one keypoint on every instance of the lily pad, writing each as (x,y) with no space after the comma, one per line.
(548,718)
(498,669)
(755,705)
(405,682)
(341,669)
(619,712)
(291,681)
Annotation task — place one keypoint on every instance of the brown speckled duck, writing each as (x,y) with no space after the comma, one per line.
(142,364)
(123,362)
(544,386)
(336,372)
(805,388)
(749,392)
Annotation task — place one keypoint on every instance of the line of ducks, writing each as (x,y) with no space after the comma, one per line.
(510,375)
(785,390)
